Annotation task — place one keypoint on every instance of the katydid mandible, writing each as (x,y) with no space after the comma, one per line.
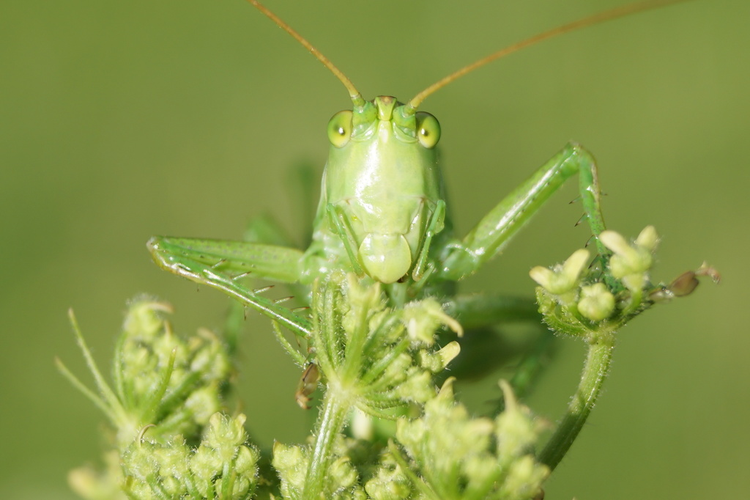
(382,211)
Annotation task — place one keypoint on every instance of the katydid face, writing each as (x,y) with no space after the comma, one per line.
(382,175)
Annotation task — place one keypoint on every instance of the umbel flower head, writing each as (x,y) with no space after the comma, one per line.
(375,357)
(585,302)
(222,466)
(166,395)
(160,378)
(460,457)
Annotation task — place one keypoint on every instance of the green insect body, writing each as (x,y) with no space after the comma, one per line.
(382,211)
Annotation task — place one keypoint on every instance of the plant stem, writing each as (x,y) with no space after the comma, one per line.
(331,422)
(598,360)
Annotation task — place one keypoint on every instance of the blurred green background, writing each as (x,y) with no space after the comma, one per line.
(120,120)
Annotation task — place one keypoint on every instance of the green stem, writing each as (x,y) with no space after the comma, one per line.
(331,422)
(595,370)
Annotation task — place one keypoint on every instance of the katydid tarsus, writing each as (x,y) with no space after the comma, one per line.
(382,211)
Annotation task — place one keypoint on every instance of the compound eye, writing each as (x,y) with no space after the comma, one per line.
(428,130)
(340,128)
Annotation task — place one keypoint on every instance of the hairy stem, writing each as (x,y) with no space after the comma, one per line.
(598,360)
(331,422)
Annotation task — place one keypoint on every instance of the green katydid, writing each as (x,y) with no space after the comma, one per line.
(382,211)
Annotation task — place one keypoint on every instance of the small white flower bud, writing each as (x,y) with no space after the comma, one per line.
(423,318)
(648,238)
(563,278)
(596,303)
(631,263)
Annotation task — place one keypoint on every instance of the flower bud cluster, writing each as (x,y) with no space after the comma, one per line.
(187,373)
(223,466)
(462,457)
(342,480)
(389,481)
(376,357)
(574,300)
(167,392)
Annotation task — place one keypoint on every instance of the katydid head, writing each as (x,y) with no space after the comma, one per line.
(382,178)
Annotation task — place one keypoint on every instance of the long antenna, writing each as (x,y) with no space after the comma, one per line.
(356,97)
(599,18)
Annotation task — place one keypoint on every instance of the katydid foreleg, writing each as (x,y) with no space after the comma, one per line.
(494,231)
(222,264)
(340,224)
(234,258)
(422,267)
